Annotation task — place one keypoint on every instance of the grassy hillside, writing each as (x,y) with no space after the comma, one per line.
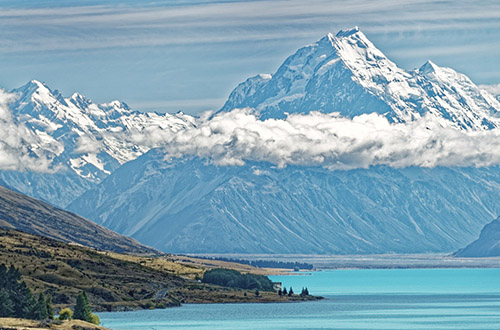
(18,211)
(112,281)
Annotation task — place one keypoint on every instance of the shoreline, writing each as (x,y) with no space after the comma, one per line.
(374,261)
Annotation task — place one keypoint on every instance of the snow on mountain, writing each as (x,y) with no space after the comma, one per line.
(84,141)
(346,73)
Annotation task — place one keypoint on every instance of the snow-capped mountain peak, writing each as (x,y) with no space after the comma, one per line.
(88,139)
(346,73)
(428,67)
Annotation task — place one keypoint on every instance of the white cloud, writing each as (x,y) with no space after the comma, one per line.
(316,139)
(17,141)
(331,141)
(492,89)
(87,144)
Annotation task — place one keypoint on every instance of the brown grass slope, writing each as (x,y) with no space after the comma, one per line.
(113,281)
(18,211)
(63,270)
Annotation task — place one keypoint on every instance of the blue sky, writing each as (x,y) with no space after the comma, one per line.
(188,55)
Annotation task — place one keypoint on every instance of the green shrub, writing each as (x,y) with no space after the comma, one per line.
(95,319)
(161,305)
(65,314)
(149,305)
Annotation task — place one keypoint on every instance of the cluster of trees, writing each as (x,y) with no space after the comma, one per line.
(284,292)
(265,263)
(235,279)
(82,311)
(17,300)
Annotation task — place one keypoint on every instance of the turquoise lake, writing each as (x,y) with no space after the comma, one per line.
(355,299)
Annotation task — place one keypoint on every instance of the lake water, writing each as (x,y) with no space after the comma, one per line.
(356,299)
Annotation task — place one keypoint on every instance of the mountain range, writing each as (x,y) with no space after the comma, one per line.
(115,171)
(84,141)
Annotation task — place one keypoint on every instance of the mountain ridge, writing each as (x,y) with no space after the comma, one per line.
(188,204)
(155,199)
(29,215)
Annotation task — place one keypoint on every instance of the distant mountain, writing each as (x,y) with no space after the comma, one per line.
(84,141)
(111,175)
(487,245)
(346,73)
(191,206)
(29,215)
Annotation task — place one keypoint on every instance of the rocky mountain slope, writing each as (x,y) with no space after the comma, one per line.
(182,203)
(487,245)
(192,206)
(29,215)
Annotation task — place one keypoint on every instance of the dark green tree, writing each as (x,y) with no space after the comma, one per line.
(50,310)
(285,292)
(16,299)
(40,308)
(290,292)
(82,308)
(6,305)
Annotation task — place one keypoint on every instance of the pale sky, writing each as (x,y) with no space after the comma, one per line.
(188,55)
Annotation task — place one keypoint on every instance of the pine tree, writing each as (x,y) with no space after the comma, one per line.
(6,305)
(50,310)
(290,292)
(24,302)
(285,292)
(82,308)
(40,308)
(16,299)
